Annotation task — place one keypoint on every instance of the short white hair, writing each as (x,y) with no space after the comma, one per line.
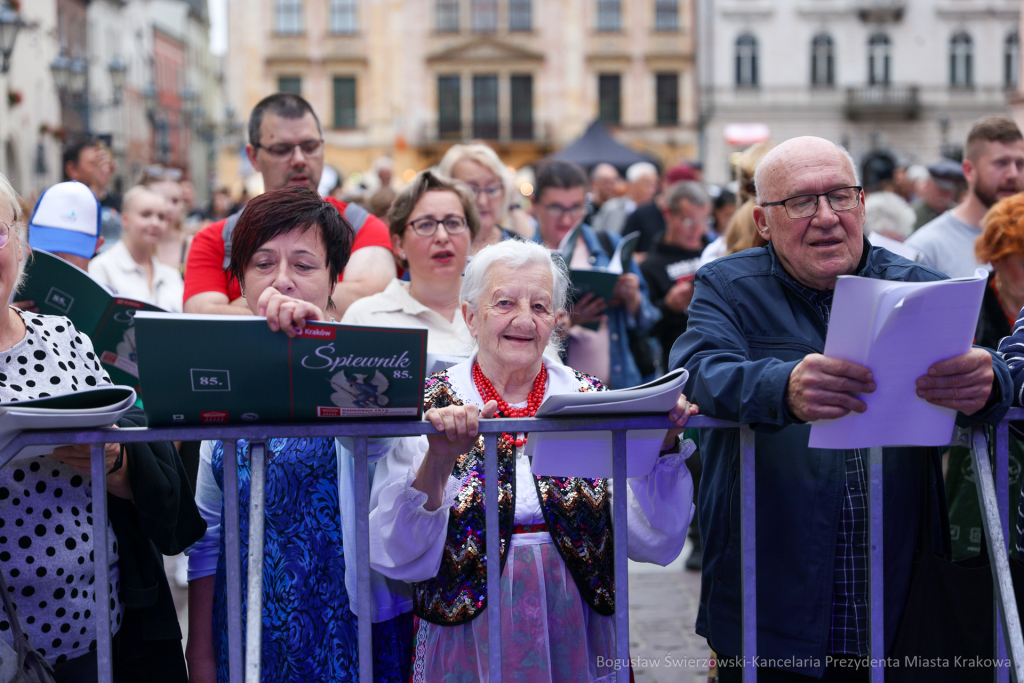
(887,212)
(772,157)
(639,170)
(514,254)
(10,197)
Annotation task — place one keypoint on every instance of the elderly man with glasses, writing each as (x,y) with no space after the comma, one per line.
(757,328)
(614,352)
(286,145)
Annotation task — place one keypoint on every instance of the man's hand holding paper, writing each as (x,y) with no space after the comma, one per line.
(963,383)
(822,388)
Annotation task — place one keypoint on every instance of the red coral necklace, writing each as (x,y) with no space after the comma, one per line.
(533,400)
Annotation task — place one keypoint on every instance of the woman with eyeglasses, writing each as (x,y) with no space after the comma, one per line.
(479,167)
(432,223)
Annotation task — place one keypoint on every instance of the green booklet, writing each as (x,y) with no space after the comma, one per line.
(599,281)
(201,369)
(59,288)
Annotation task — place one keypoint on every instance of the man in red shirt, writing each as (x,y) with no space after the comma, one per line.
(286,145)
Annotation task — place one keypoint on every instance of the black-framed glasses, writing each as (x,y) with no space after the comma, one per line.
(427,226)
(284,150)
(806,205)
(556,211)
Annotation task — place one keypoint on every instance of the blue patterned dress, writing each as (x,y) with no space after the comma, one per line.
(309,632)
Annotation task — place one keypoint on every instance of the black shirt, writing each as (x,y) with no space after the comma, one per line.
(650,222)
(665,265)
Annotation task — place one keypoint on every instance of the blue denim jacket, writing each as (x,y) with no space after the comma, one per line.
(625,372)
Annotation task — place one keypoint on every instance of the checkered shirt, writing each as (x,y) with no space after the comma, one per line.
(849,628)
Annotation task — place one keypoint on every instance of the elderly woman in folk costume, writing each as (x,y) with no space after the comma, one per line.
(556,533)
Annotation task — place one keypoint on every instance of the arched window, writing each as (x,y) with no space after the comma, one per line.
(822,61)
(960,61)
(746,61)
(1011,61)
(879,69)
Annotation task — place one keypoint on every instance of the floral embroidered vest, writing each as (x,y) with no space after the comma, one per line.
(577,513)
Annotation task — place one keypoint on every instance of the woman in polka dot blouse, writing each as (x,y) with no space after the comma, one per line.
(46,548)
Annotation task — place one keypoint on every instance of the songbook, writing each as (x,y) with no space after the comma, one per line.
(88,408)
(898,330)
(60,288)
(203,369)
(589,454)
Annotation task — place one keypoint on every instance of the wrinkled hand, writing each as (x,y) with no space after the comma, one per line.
(678,298)
(588,309)
(458,427)
(822,388)
(79,458)
(678,415)
(963,383)
(286,313)
(627,293)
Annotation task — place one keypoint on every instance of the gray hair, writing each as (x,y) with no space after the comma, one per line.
(770,159)
(638,170)
(9,197)
(690,190)
(514,254)
(888,212)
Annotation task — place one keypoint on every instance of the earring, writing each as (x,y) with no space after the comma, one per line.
(403,255)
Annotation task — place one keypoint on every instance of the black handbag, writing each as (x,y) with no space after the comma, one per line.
(31,667)
(945,633)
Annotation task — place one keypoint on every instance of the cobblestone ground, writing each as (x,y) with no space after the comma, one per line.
(663,609)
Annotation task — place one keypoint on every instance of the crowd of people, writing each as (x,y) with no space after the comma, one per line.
(734,283)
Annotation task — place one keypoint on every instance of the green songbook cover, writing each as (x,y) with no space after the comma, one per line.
(201,369)
(599,282)
(60,288)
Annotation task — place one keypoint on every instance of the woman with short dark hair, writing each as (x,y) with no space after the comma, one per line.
(288,249)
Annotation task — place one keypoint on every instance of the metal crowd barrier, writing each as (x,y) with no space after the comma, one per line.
(993,490)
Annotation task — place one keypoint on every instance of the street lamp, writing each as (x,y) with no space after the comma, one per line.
(118,74)
(61,70)
(149,94)
(77,81)
(10,24)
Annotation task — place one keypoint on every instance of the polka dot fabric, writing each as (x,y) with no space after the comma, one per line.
(46,547)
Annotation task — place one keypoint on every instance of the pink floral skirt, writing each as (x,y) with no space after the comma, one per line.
(549,633)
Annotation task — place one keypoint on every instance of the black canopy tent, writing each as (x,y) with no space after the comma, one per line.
(597,146)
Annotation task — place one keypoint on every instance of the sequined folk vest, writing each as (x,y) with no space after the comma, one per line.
(576,511)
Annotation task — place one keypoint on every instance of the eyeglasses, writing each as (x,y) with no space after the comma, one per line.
(492,191)
(285,150)
(556,211)
(427,226)
(806,205)
(5,234)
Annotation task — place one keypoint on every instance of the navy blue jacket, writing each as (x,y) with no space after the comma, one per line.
(747,331)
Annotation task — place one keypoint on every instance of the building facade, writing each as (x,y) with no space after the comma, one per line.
(894,81)
(30,112)
(409,78)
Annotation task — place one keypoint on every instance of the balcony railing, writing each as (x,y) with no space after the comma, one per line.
(993,494)
(883,102)
(876,11)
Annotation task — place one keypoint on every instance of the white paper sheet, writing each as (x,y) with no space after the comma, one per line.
(589,454)
(898,330)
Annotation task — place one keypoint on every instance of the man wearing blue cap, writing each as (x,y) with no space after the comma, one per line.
(66,223)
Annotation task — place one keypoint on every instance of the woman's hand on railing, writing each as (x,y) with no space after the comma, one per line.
(285,313)
(457,428)
(678,415)
(79,458)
